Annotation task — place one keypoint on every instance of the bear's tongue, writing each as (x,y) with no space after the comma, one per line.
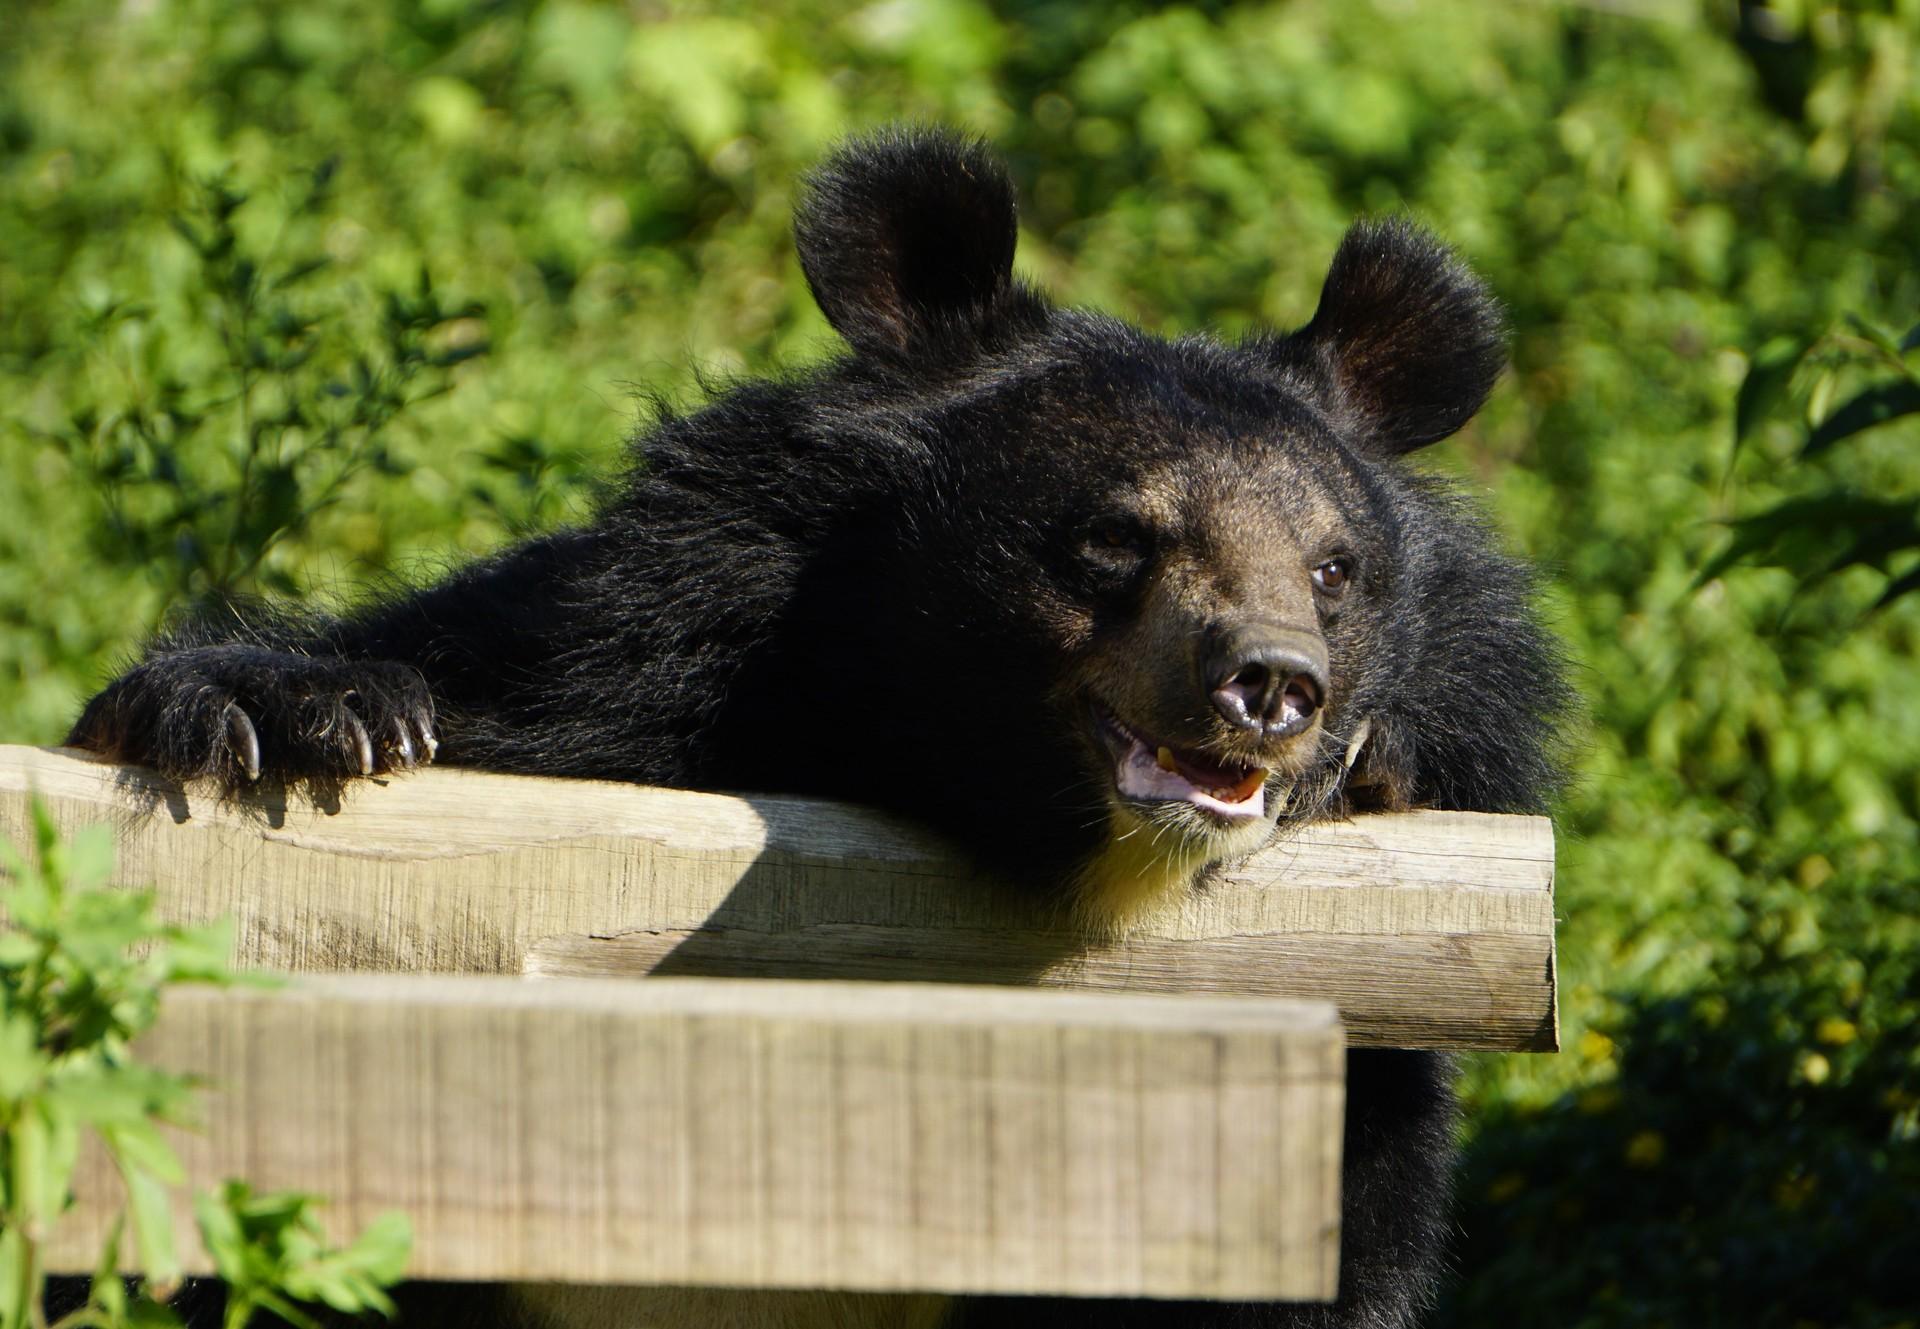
(1161,776)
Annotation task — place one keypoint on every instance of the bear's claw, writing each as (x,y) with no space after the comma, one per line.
(237,713)
(243,740)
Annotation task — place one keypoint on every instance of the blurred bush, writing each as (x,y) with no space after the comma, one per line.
(1674,198)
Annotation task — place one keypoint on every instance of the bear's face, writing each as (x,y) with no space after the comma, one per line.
(1195,565)
(1186,552)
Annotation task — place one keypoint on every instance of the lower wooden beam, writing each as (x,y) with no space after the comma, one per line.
(756,1133)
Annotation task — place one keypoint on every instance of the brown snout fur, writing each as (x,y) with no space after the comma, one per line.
(1227,558)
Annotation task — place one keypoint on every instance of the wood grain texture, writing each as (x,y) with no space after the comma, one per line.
(1426,929)
(761,1133)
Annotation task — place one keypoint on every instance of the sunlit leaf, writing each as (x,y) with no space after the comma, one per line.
(203,953)
(152,1222)
(33,1187)
(286,1310)
(383,1247)
(140,1146)
(90,857)
(220,1234)
(22,1063)
(1876,334)
(1873,407)
(19,1284)
(16,949)
(1903,585)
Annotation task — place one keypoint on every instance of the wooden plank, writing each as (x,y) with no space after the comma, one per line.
(1427,929)
(756,1133)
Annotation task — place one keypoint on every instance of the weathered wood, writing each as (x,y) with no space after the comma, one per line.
(770,1134)
(1426,929)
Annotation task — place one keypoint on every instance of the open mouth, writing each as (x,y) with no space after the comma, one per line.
(1147,771)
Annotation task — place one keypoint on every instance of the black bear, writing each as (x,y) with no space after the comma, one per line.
(1025,573)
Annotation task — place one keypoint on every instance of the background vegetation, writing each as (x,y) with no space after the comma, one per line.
(72,1001)
(297,297)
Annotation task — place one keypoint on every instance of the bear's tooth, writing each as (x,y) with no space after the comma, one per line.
(1358,741)
(1250,784)
(1164,759)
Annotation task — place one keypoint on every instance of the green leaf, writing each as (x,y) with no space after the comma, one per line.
(274,506)
(19,1283)
(1765,386)
(107,1291)
(276,1211)
(63,1156)
(1912,340)
(90,857)
(152,1224)
(455,355)
(46,837)
(15,865)
(22,1063)
(220,1233)
(286,1310)
(1871,408)
(140,1145)
(146,1313)
(189,234)
(1899,586)
(201,954)
(106,1096)
(104,924)
(382,1249)
(36,1188)
(31,903)
(300,271)
(1876,334)
(1801,533)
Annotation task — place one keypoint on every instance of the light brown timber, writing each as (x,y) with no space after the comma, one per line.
(756,1133)
(1427,929)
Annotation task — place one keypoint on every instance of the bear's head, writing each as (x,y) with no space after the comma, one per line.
(1129,602)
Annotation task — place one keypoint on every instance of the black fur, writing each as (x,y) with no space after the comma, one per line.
(907,243)
(1407,342)
(873,581)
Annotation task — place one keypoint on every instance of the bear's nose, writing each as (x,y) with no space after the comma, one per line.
(1268,678)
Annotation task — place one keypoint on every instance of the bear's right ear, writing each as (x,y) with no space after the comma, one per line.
(907,239)
(1407,341)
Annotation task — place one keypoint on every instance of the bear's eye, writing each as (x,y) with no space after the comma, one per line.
(1117,539)
(1332,575)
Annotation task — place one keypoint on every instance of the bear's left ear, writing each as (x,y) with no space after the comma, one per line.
(907,240)
(1407,340)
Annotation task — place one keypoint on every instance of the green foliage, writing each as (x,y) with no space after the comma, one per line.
(1833,527)
(204,457)
(1745,1149)
(71,999)
(1674,198)
(271,1253)
(82,972)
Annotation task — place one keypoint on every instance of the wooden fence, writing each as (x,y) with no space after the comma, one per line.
(1169,1126)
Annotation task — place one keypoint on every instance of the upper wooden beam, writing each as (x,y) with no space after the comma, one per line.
(1425,929)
